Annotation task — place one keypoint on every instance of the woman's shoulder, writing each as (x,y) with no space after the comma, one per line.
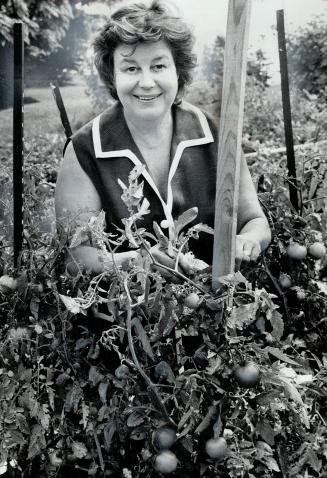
(104,115)
(200,115)
(82,138)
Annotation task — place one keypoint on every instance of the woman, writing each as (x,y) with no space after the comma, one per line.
(144,56)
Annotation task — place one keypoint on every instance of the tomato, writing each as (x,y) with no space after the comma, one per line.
(228,433)
(285,281)
(54,459)
(7,284)
(166,462)
(216,448)
(192,300)
(122,372)
(163,371)
(296,251)
(247,376)
(317,250)
(164,438)
(300,294)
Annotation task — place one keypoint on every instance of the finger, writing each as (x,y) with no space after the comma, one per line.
(163,258)
(246,257)
(256,251)
(247,251)
(238,253)
(166,274)
(185,265)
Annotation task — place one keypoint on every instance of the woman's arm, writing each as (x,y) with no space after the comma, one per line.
(253,231)
(76,201)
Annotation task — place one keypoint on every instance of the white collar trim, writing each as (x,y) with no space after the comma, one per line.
(127,153)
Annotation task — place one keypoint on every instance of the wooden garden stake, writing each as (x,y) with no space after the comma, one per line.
(287,110)
(62,110)
(18,138)
(230,136)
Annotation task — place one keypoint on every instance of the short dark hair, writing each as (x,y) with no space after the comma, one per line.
(140,23)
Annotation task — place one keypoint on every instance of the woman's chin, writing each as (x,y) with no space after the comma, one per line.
(148,115)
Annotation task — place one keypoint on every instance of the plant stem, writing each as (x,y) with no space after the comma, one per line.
(275,283)
(147,380)
(176,273)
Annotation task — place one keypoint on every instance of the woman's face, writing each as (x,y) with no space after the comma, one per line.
(146,80)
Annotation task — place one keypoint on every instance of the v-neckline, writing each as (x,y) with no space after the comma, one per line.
(194,131)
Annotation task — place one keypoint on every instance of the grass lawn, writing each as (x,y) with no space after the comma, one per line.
(43,116)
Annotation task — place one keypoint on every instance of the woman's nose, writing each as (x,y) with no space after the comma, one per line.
(146,80)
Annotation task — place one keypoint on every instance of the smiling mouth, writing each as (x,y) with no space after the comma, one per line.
(147,98)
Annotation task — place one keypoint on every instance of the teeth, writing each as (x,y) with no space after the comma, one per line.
(143,98)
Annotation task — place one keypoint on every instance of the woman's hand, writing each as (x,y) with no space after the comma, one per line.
(162,257)
(247,250)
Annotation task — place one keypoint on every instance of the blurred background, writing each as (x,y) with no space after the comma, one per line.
(59,35)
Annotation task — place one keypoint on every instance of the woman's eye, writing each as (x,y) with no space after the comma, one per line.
(131,69)
(159,67)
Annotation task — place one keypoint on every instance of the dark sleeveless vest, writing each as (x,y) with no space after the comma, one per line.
(107,152)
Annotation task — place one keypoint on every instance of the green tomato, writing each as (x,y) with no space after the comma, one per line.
(122,372)
(216,448)
(164,438)
(166,462)
(247,376)
(296,251)
(192,300)
(317,250)
(285,281)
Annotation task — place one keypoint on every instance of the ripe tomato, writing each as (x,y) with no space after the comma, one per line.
(216,448)
(247,376)
(296,251)
(285,281)
(166,462)
(192,300)
(317,250)
(164,438)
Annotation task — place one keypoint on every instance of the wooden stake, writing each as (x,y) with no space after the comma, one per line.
(62,110)
(287,109)
(230,136)
(18,138)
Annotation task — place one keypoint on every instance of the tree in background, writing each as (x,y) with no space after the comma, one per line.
(46,23)
(307,57)
(206,90)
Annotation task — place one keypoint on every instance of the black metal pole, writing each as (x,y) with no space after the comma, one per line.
(18,141)
(287,109)
(62,110)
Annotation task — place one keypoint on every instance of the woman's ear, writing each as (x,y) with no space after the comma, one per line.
(179,96)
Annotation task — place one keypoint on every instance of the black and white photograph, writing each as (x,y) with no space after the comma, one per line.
(163,238)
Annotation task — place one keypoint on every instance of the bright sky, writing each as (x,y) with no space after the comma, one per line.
(209,18)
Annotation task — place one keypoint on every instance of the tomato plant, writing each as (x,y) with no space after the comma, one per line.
(124,374)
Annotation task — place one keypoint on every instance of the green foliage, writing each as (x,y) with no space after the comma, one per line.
(307,57)
(81,390)
(45,23)
(212,64)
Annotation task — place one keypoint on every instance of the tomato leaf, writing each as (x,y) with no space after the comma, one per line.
(280,355)
(186,218)
(143,338)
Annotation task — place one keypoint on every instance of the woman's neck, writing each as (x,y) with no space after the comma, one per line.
(151,134)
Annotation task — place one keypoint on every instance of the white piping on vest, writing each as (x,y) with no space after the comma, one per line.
(208,138)
(127,153)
